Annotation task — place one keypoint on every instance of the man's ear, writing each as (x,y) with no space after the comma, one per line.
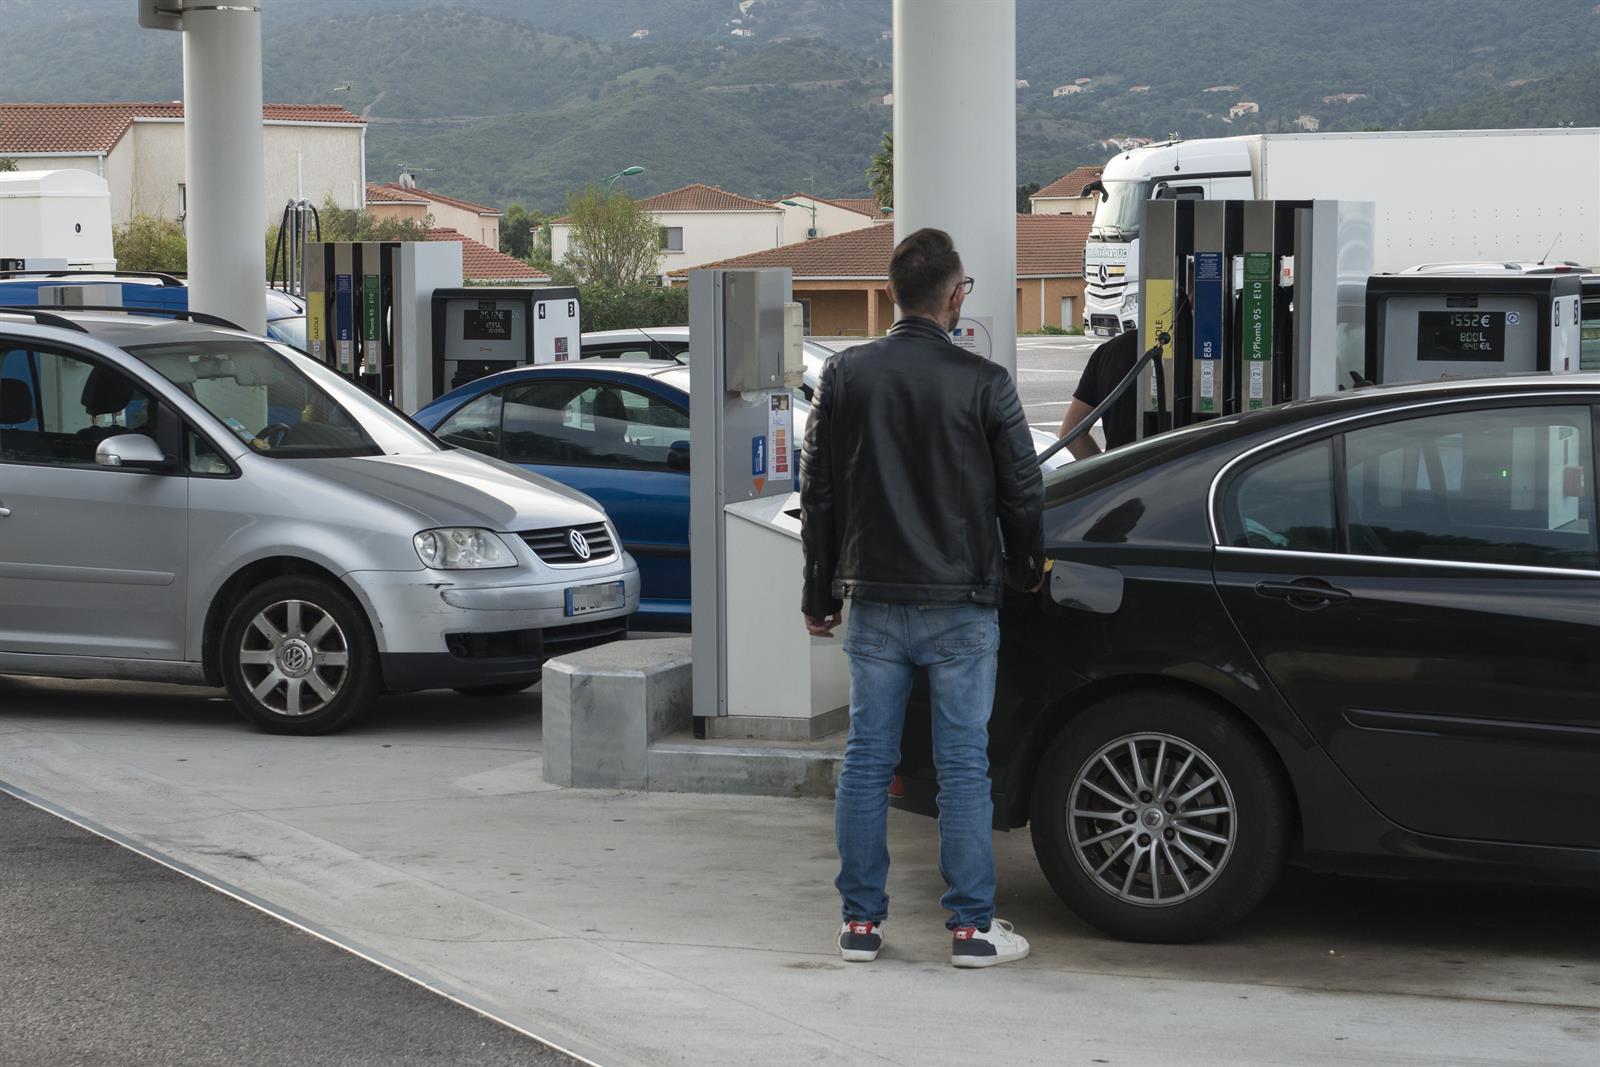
(889,287)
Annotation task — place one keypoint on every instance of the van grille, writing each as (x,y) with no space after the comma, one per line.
(555,544)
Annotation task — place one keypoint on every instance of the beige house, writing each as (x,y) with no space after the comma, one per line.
(842,281)
(810,217)
(1064,195)
(315,151)
(391,200)
(698,224)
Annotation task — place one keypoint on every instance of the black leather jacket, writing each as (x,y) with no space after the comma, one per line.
(918,465)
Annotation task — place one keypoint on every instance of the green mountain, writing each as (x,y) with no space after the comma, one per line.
(502,100)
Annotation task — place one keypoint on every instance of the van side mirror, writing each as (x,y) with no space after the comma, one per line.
(678,456)
(133,450)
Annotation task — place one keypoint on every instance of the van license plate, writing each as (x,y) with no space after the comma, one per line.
(582,599)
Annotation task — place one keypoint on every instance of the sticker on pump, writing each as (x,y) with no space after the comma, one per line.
(758,456)
(780,432)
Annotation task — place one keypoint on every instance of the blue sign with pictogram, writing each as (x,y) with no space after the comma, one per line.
(758,456)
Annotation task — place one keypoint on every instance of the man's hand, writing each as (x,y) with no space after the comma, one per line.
(823,627)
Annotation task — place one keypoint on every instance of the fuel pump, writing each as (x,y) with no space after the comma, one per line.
(481,329)
(1422,326)
(369,311)
(1247,304)
(756,671)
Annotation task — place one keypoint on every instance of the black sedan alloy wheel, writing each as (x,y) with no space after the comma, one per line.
(1152,819)
(1158,816)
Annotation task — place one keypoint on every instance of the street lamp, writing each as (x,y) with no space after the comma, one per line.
(813,206)
(625,172)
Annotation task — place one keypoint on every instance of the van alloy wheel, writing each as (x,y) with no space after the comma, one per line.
(294,657)
(1152,819)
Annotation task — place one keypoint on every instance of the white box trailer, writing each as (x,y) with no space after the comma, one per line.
(1449,194)
(1439,195)
(56,215)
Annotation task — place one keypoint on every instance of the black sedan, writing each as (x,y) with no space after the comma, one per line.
(1360,633)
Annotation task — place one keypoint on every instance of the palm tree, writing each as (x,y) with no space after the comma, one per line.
(880,172)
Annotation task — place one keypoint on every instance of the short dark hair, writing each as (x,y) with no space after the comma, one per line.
(925,264)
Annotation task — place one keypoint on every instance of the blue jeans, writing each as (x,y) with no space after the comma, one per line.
(957,643)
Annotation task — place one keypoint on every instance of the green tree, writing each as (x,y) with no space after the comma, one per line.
(150,242)
(352,224)
(1024,191)
(613,241)
(880,171)
(7,164)
(517,231)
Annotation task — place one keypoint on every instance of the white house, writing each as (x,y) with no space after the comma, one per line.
(1063,196)
(698,224)
(1243,108)
(801,223)
(311,150)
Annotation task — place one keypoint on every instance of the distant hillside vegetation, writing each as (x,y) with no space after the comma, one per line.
(499,101)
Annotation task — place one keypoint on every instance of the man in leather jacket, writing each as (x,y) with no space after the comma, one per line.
(921,495)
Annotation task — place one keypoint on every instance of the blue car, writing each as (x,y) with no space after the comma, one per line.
(286,314)
(618,431)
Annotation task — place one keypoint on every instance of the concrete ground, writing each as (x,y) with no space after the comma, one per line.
(678,929)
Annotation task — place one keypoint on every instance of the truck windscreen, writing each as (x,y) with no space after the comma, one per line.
(1118,213)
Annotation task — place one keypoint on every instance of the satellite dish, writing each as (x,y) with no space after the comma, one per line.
(407,181)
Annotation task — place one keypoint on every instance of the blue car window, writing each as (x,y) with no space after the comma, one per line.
(475,426)
(569,422)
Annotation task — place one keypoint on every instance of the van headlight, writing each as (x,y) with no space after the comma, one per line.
(462,548)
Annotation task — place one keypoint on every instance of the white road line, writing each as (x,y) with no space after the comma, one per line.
(1050,404)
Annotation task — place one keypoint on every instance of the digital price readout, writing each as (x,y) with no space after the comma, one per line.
(486,324)
(1476,336)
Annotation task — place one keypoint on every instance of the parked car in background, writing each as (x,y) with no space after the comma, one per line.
(286,314)
(615,431)
(185,503)
(672,343)
(1357,633)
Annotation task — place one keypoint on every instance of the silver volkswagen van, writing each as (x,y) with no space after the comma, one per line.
(182,502)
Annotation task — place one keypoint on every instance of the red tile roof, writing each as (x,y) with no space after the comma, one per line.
(1048,246)
(479,262)
(866,205)
(1070,184)
(92,128)
(386,194)
(699,197)
(414,193)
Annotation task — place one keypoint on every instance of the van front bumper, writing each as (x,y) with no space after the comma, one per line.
(442,630)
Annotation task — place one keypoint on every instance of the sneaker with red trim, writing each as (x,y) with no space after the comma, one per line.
(999,943)
(859,941)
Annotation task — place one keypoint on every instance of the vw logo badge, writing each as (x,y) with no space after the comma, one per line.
(1104,274)
(579,543)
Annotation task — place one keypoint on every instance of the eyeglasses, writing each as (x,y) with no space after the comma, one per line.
(966,285)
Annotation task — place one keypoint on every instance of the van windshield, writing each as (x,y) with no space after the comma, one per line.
(1118,214)
(281,403)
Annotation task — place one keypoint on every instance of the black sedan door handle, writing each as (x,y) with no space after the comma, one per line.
(1303,592)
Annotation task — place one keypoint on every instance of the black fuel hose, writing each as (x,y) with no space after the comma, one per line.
(1127,382)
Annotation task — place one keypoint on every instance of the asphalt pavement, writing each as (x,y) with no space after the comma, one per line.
(107,957)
